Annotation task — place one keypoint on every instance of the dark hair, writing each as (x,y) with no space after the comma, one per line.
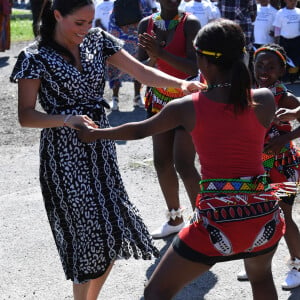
(223,43)
(275,49)
(47,22)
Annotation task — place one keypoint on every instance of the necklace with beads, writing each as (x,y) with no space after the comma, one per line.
(219,85)
(165,25)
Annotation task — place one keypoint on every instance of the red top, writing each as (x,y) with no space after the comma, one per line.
(228,145)
(175,47)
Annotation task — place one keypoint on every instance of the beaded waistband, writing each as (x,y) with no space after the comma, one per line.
(234,185)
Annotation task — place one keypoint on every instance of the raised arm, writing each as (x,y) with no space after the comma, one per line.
(186,64)
(148,75)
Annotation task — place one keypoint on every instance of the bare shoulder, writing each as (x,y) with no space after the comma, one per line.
(192,23)
(263,96)
(264,106)
(143,24)
(183,109)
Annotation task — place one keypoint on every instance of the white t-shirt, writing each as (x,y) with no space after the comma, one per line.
(288,20)
(103,11)
(202,10)
(264,24)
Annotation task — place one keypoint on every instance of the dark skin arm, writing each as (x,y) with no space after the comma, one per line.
(277,143)
(173,115)
(153,47)
(179,112)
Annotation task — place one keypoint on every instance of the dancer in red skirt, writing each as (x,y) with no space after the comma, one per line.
(237,214)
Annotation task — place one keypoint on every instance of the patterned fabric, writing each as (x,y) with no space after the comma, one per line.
(242,12)
(128,34)
(232,185)
(91,217)
(235,225)
(157,98)
(285,165)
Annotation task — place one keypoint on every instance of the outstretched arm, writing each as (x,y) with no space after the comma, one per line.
(150,76)
(179,112)
(285,114)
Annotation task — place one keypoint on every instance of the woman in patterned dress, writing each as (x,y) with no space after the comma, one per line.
(91,218)
(237,215)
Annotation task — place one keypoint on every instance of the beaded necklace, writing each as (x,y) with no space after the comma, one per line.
(219,85)
(165,25)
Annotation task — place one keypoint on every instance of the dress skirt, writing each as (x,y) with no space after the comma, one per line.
(92,220)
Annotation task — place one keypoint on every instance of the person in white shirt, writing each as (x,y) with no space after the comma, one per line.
(263,24)
(287,34)
(202,9)
(102,13)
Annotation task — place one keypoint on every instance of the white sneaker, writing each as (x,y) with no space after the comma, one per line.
(292,280)
(242,276)
(115,103)
(138,102)
(166,230)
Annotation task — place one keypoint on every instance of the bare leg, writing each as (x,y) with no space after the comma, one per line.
(171,275)
(259,271)
(184,155)
(116,91)
(137,88)
(292,235)
(91,289)
(166,173)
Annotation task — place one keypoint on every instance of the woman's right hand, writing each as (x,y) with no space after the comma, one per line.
(79,121)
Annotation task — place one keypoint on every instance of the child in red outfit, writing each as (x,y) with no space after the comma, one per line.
(281,157)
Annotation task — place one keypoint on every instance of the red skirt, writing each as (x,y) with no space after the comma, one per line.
(233,219)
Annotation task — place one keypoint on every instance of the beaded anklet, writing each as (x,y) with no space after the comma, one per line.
(174,213)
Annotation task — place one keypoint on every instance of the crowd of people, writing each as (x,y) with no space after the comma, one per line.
(195,58)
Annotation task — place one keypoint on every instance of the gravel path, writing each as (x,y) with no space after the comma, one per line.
(28,258)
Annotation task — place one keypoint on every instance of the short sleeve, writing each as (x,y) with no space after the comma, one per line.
(28,66)
(111,44)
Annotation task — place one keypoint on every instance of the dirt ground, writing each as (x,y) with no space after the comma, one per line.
(29,264)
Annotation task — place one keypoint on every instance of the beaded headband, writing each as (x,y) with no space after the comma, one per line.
(272,50)
(210,53)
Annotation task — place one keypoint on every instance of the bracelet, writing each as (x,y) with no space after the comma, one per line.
(67,119)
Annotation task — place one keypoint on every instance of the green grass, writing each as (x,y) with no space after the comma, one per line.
(21,28)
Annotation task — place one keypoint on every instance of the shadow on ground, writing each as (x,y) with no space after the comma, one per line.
(202,284)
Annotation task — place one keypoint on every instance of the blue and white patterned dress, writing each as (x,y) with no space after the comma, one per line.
(91,217)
